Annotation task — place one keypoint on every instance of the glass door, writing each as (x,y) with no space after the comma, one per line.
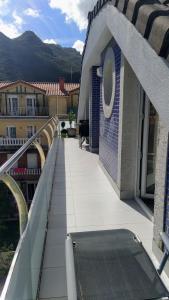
(31,106)
(149,150)
(31,130)
(12,106)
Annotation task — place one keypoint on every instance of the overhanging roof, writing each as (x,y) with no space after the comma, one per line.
(127,22)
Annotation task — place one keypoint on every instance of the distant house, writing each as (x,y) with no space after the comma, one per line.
(24,108)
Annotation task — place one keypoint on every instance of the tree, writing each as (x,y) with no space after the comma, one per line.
(9,227)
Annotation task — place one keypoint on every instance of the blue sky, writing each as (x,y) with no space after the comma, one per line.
(54,21)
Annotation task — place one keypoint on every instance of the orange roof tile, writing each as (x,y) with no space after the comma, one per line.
(51,88)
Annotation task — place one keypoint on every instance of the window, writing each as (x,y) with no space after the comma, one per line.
(32,161)
(12,105)
(31,130)
(31,106)
(11,131)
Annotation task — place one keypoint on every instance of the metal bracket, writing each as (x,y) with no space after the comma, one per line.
(52,130)
(20,200)
(41,153)
(48,137)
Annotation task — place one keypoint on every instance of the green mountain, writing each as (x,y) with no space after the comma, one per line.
(29,59)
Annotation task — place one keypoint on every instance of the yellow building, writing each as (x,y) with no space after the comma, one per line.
(24,108)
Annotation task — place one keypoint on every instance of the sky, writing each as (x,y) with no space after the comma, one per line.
(61,22)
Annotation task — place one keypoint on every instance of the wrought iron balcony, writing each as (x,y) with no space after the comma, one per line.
(25,111)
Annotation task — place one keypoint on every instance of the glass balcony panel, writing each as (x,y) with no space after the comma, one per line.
(23,278)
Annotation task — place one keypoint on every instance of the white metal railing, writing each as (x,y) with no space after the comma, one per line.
(24,171)
(7,141)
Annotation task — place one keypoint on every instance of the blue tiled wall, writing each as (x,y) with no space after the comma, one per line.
(166,217)
(109,128)
(94,110)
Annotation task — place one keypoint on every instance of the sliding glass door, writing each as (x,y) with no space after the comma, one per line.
(149,142)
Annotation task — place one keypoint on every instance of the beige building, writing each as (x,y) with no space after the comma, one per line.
(24,108)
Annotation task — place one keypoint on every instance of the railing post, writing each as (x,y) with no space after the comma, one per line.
(41,152)
(20,200)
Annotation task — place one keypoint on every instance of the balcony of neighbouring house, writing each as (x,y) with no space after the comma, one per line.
(25,112)
(25,172)
(7,141)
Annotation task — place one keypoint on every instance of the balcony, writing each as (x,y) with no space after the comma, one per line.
(25,112)
(24,172)
(73,195)
(5,141)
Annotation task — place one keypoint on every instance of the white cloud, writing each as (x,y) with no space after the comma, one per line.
(3,3)
(74,10)
(78,45)
(12,28)
(17,19)
(4,7)
(9,29)
(32,12)
(50,41)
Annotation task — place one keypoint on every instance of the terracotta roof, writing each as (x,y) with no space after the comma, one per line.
(51,88)
(150,17)
(9,84)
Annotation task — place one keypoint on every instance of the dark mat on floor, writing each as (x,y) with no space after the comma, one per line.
(112,265)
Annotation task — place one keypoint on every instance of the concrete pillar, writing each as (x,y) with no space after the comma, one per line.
(160,182)
(128,133)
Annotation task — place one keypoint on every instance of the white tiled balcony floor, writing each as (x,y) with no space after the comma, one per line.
(83,199)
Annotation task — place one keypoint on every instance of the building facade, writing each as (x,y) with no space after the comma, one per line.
(24,108)
(124,94)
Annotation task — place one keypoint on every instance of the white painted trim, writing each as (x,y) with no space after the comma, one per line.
(151,70)
(108,109)
(139,143)
(145,146)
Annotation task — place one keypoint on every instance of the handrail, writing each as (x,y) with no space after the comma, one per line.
(14,158)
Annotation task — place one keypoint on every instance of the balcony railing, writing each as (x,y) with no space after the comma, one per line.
(25,111)
(23,277)
(14,141)
(24,171)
